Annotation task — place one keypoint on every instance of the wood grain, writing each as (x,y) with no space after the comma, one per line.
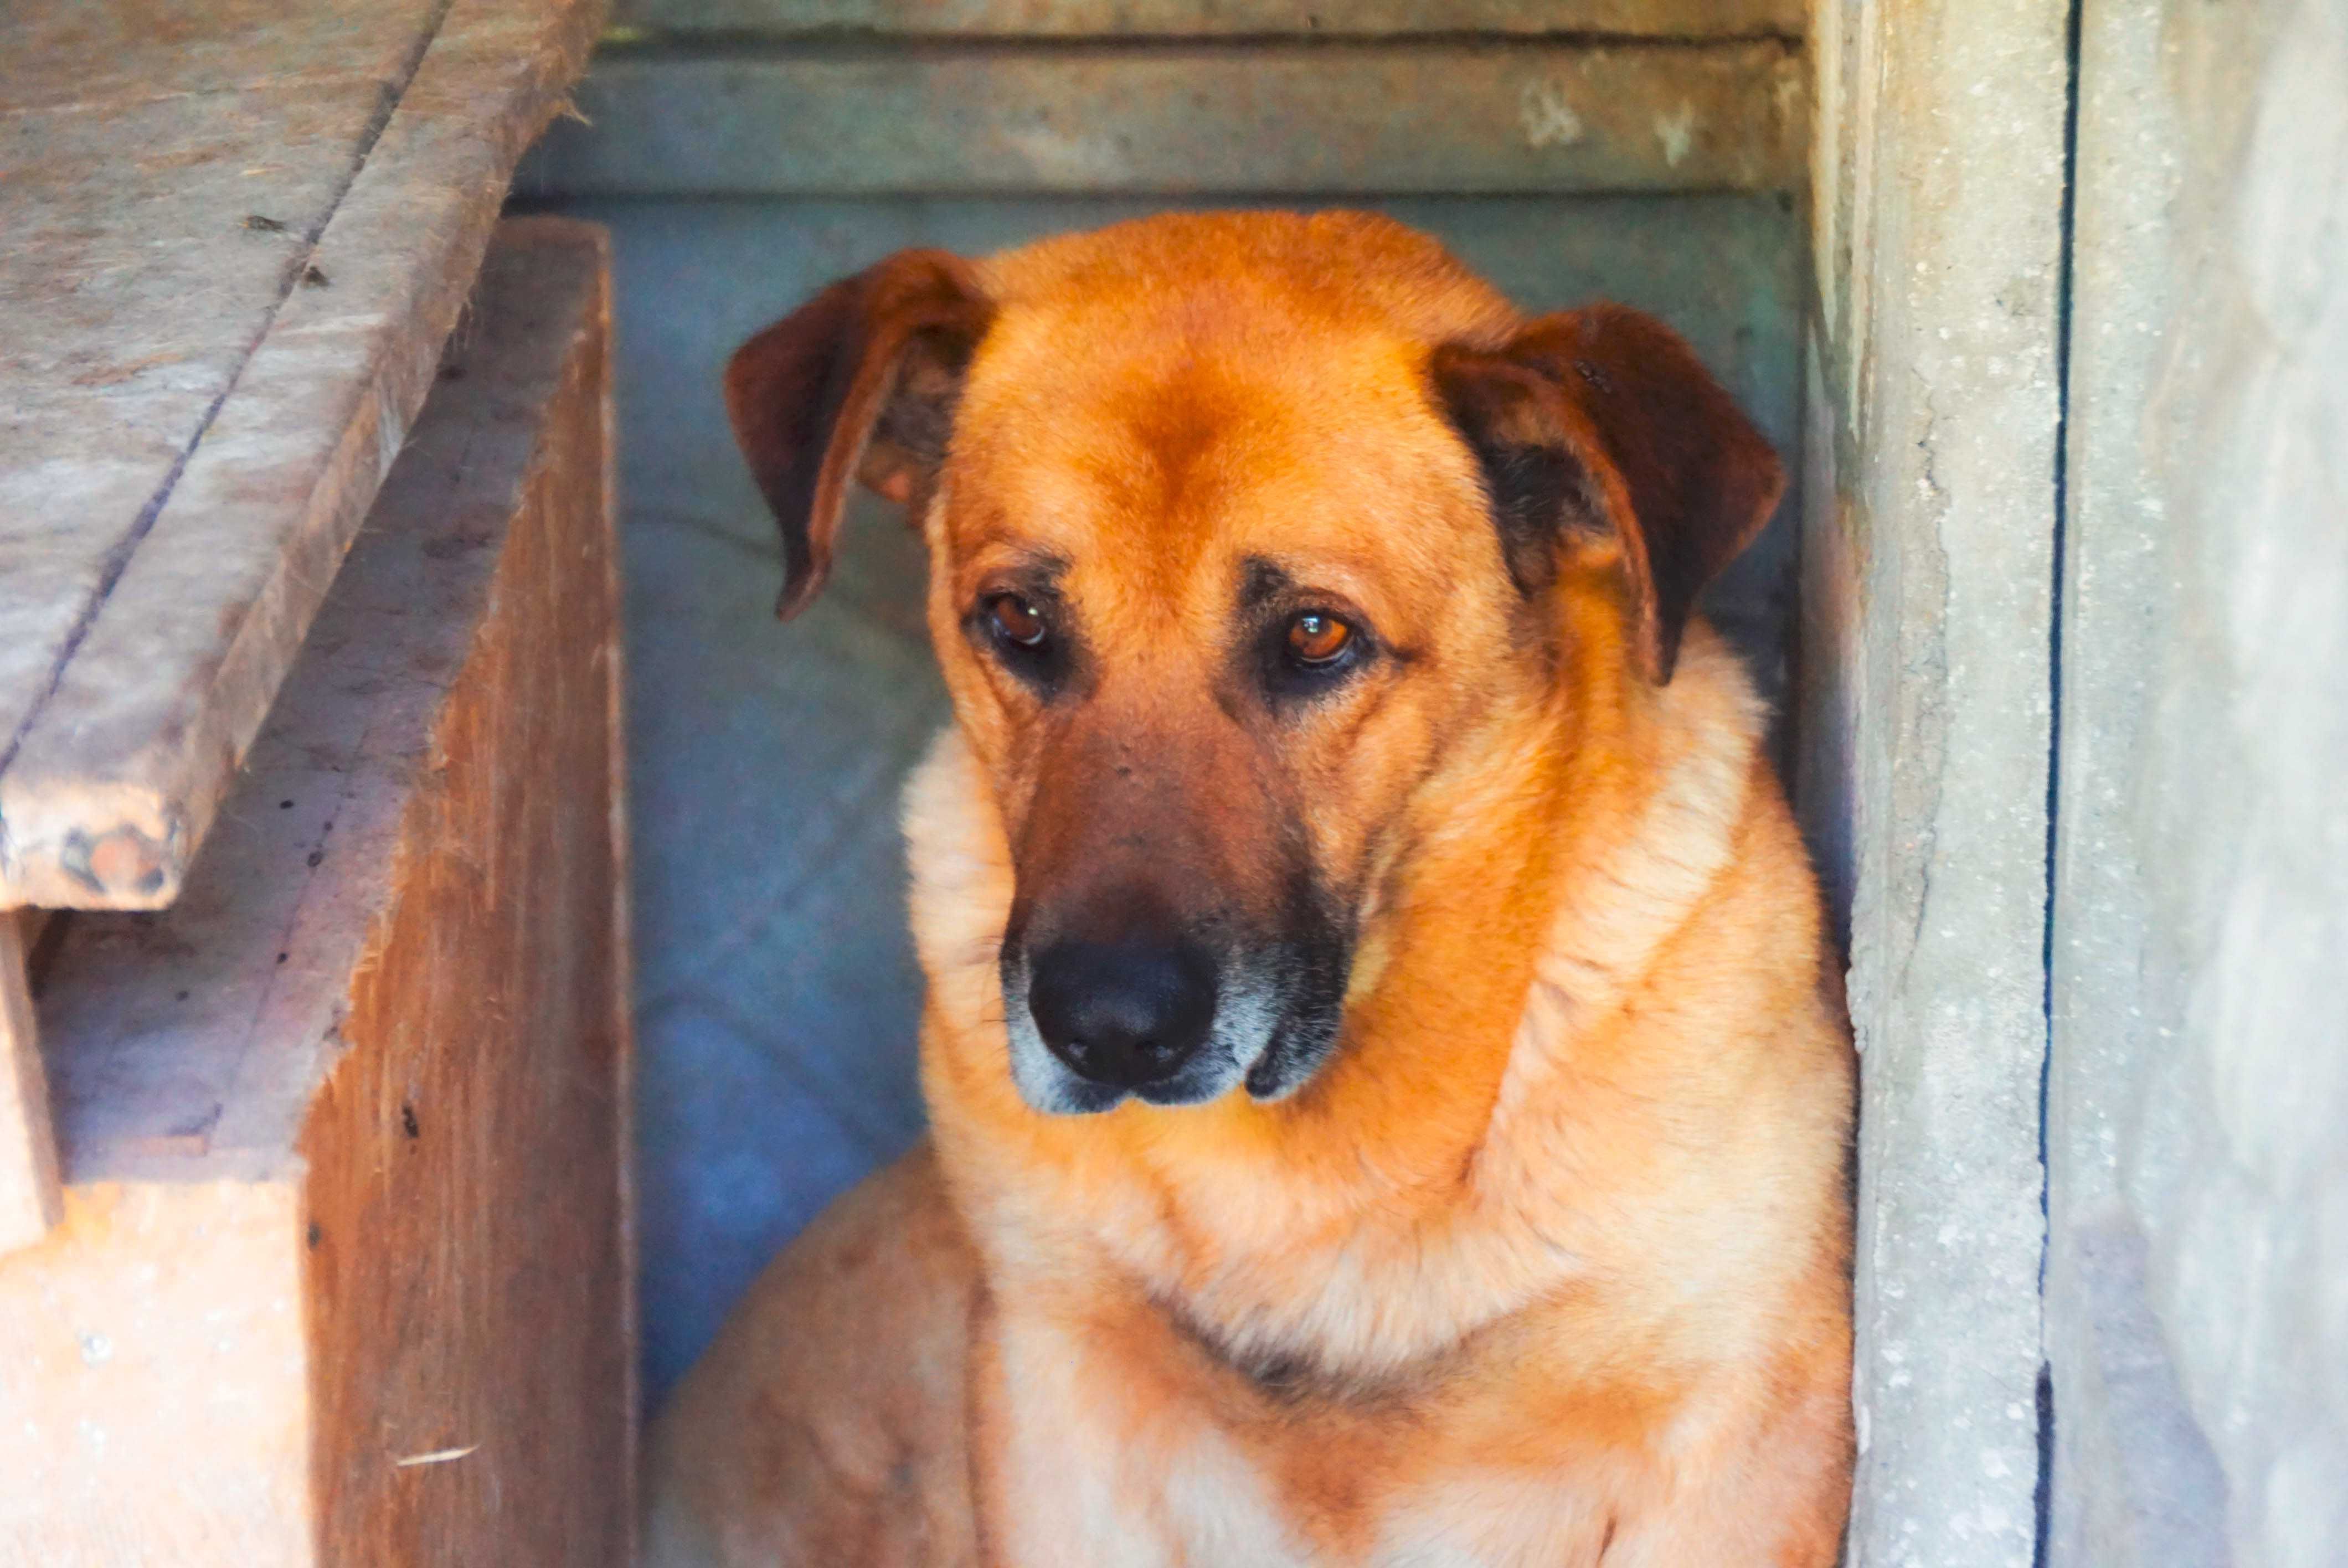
(29,1202)
(345,1129)
(249,389)
(469,1257)
(145,170)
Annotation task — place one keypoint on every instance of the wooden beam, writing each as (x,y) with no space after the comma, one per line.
(1316,119)
(1220,18)
(342,1276)
(144,169)
(29,1202)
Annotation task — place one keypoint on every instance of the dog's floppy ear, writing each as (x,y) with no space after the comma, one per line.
(1602,423)
(863,376)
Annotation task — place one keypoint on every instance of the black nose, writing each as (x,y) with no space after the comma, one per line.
(1123,1014)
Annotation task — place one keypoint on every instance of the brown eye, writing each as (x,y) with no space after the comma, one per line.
(1016,620)
(1315,638)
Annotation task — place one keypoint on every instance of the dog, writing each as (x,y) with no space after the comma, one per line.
(1389,1099)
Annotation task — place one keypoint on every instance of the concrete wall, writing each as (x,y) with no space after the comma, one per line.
(2198,1286)
(2193,1036)
(1928,575)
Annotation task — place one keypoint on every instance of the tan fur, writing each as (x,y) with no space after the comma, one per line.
(1546,1266)
(844,1444)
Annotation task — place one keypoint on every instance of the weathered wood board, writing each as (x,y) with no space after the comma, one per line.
(1225,18)
(343,1272)
(237,237)
(156,203)
(1443,116)
(29,1199)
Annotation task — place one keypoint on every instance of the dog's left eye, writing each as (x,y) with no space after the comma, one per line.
(1311,653)
(1318,639)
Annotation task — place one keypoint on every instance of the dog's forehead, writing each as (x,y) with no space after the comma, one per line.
(1170,471)
(1200,402)
(1338,263)
(1157,403)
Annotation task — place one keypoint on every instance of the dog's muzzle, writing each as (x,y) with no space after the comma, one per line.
(1166,1020)
(1123,1016)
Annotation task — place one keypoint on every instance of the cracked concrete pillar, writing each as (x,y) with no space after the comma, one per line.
(1928,547)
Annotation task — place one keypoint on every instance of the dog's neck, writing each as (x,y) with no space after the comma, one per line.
(1489,967)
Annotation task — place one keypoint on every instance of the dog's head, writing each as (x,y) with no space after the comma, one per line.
(1246,531)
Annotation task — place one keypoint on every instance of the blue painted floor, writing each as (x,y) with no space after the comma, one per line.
(777,996)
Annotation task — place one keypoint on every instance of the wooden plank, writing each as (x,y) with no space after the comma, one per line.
(1208,18)
(470,1267)
(354,1109)
(29,1202)
(1182,120)
(150,1082)
(153,609)
(133,170)
(100,57)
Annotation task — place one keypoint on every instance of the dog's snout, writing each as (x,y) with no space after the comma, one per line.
(1123,1014)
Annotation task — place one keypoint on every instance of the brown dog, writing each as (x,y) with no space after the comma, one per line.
(1387,1105)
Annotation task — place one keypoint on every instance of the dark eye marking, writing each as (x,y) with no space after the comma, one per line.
(1262,584)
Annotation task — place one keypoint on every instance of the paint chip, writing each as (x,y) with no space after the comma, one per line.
(1676,131)
(1547,115)
(437,1456)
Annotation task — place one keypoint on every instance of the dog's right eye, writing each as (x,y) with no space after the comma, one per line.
(1017,634)
(1016,621)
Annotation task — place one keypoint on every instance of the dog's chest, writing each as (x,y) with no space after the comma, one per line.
(1108,1458)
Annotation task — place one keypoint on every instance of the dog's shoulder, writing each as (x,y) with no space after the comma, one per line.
(827,1422)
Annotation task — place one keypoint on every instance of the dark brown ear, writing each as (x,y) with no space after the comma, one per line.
(1602,423)
(864,375)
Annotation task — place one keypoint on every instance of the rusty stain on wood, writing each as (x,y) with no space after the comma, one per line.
(344,1129)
